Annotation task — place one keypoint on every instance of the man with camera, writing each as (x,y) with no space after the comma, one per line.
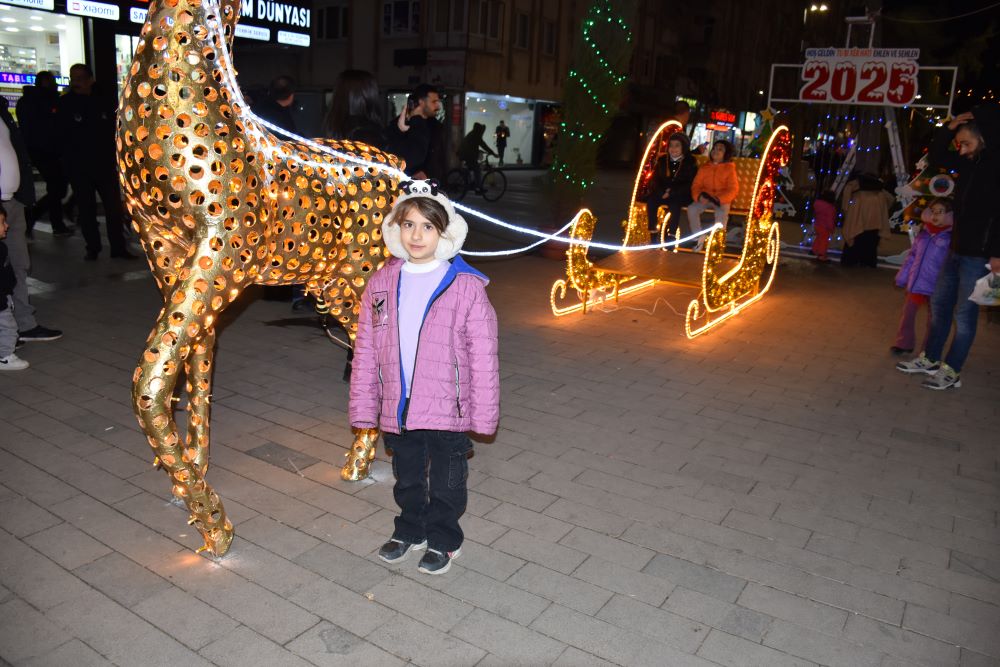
(418,137)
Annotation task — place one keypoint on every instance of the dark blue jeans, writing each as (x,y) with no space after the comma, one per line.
(958,277)
(431,510)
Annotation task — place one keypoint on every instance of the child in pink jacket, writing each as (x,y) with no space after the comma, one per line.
(824,223)
(425,371)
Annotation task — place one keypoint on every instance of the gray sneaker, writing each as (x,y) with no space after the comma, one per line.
(395,550)
(919,364)
(438,562)
(946,377)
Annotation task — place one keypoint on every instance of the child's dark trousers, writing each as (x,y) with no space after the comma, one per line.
(430,511)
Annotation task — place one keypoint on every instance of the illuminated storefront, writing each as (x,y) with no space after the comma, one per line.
(33,38)
(53,35)
(525,118)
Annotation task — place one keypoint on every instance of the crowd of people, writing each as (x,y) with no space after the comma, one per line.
(958,244)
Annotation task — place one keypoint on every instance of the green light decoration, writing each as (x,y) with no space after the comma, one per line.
(594,87)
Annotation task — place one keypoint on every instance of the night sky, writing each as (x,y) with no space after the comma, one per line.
(972,43)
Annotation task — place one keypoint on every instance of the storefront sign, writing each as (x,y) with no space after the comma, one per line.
(33,4)
(860,76)
(97,10)
(253,32)
(137,14)
(721,121)
(23,79)
(293,38)
(268,11)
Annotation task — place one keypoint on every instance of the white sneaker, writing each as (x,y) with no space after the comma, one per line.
(12,362)
(946,377)
(919,364)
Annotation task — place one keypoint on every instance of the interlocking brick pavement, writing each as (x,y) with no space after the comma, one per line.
(772,493)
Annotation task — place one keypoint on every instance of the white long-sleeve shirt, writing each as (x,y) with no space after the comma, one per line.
(10,170)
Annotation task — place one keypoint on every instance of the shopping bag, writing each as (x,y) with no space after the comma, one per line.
(987,290)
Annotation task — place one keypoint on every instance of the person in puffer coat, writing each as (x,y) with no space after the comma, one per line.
(426,371)
(921,269)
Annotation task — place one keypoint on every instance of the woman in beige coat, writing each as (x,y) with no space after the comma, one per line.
(865,204)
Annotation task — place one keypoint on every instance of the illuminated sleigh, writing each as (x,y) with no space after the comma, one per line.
(728,283)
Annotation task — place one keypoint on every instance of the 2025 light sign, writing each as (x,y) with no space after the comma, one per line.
(860,76)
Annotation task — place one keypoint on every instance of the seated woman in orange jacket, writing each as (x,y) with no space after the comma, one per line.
(715,186)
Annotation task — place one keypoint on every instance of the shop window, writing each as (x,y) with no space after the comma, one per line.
(333,23)
(458,15)
(36,40)
(522,31)
(486,18)
(401,17)
(441,15)
(549,38)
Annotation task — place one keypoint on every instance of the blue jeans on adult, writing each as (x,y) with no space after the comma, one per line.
(954,286)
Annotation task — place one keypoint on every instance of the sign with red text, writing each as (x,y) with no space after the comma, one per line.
(860,76)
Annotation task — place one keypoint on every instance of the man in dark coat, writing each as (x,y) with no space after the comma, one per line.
(36,112)
(418,137)
(85,126)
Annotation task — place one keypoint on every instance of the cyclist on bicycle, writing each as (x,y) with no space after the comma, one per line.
(468,152)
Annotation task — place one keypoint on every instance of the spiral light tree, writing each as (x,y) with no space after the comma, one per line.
(219,204)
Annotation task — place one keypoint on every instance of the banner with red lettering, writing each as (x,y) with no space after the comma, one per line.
(860,76)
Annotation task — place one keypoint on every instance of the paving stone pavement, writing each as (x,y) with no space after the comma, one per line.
(773,493)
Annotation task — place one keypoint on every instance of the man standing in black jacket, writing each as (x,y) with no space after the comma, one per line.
(975,241)
(85,125)
(418,137)
(36,111)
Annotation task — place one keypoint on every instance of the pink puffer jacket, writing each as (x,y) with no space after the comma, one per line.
(456,379)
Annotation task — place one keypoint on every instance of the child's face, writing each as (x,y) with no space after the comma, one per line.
(419,236)
(940,217)
(675,149)
(3,226)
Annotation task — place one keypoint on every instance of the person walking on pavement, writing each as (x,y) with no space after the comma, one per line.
(502,133)
(17,190)
(975,242)
(36,112)
(85,128)
(418,137)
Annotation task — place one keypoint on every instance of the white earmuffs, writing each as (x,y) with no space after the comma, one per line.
(453,237)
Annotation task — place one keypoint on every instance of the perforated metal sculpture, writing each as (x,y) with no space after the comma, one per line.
(219,204)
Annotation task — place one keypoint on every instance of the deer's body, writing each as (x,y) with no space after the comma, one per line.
(219,204)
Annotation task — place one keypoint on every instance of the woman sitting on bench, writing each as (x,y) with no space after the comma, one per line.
(670,185)
(715,187)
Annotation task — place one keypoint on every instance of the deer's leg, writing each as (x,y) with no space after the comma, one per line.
(360,455)
(340,300)
(198,373)
(183,336)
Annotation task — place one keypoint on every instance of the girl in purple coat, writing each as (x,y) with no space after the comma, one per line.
(920,271)
(426,371)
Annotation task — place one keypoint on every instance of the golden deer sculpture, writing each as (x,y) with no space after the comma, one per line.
(220,204)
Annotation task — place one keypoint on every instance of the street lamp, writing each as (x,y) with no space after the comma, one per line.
(805,16)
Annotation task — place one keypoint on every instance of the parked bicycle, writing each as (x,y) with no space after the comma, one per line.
(492,182)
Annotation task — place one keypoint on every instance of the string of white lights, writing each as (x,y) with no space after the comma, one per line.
(224,59)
